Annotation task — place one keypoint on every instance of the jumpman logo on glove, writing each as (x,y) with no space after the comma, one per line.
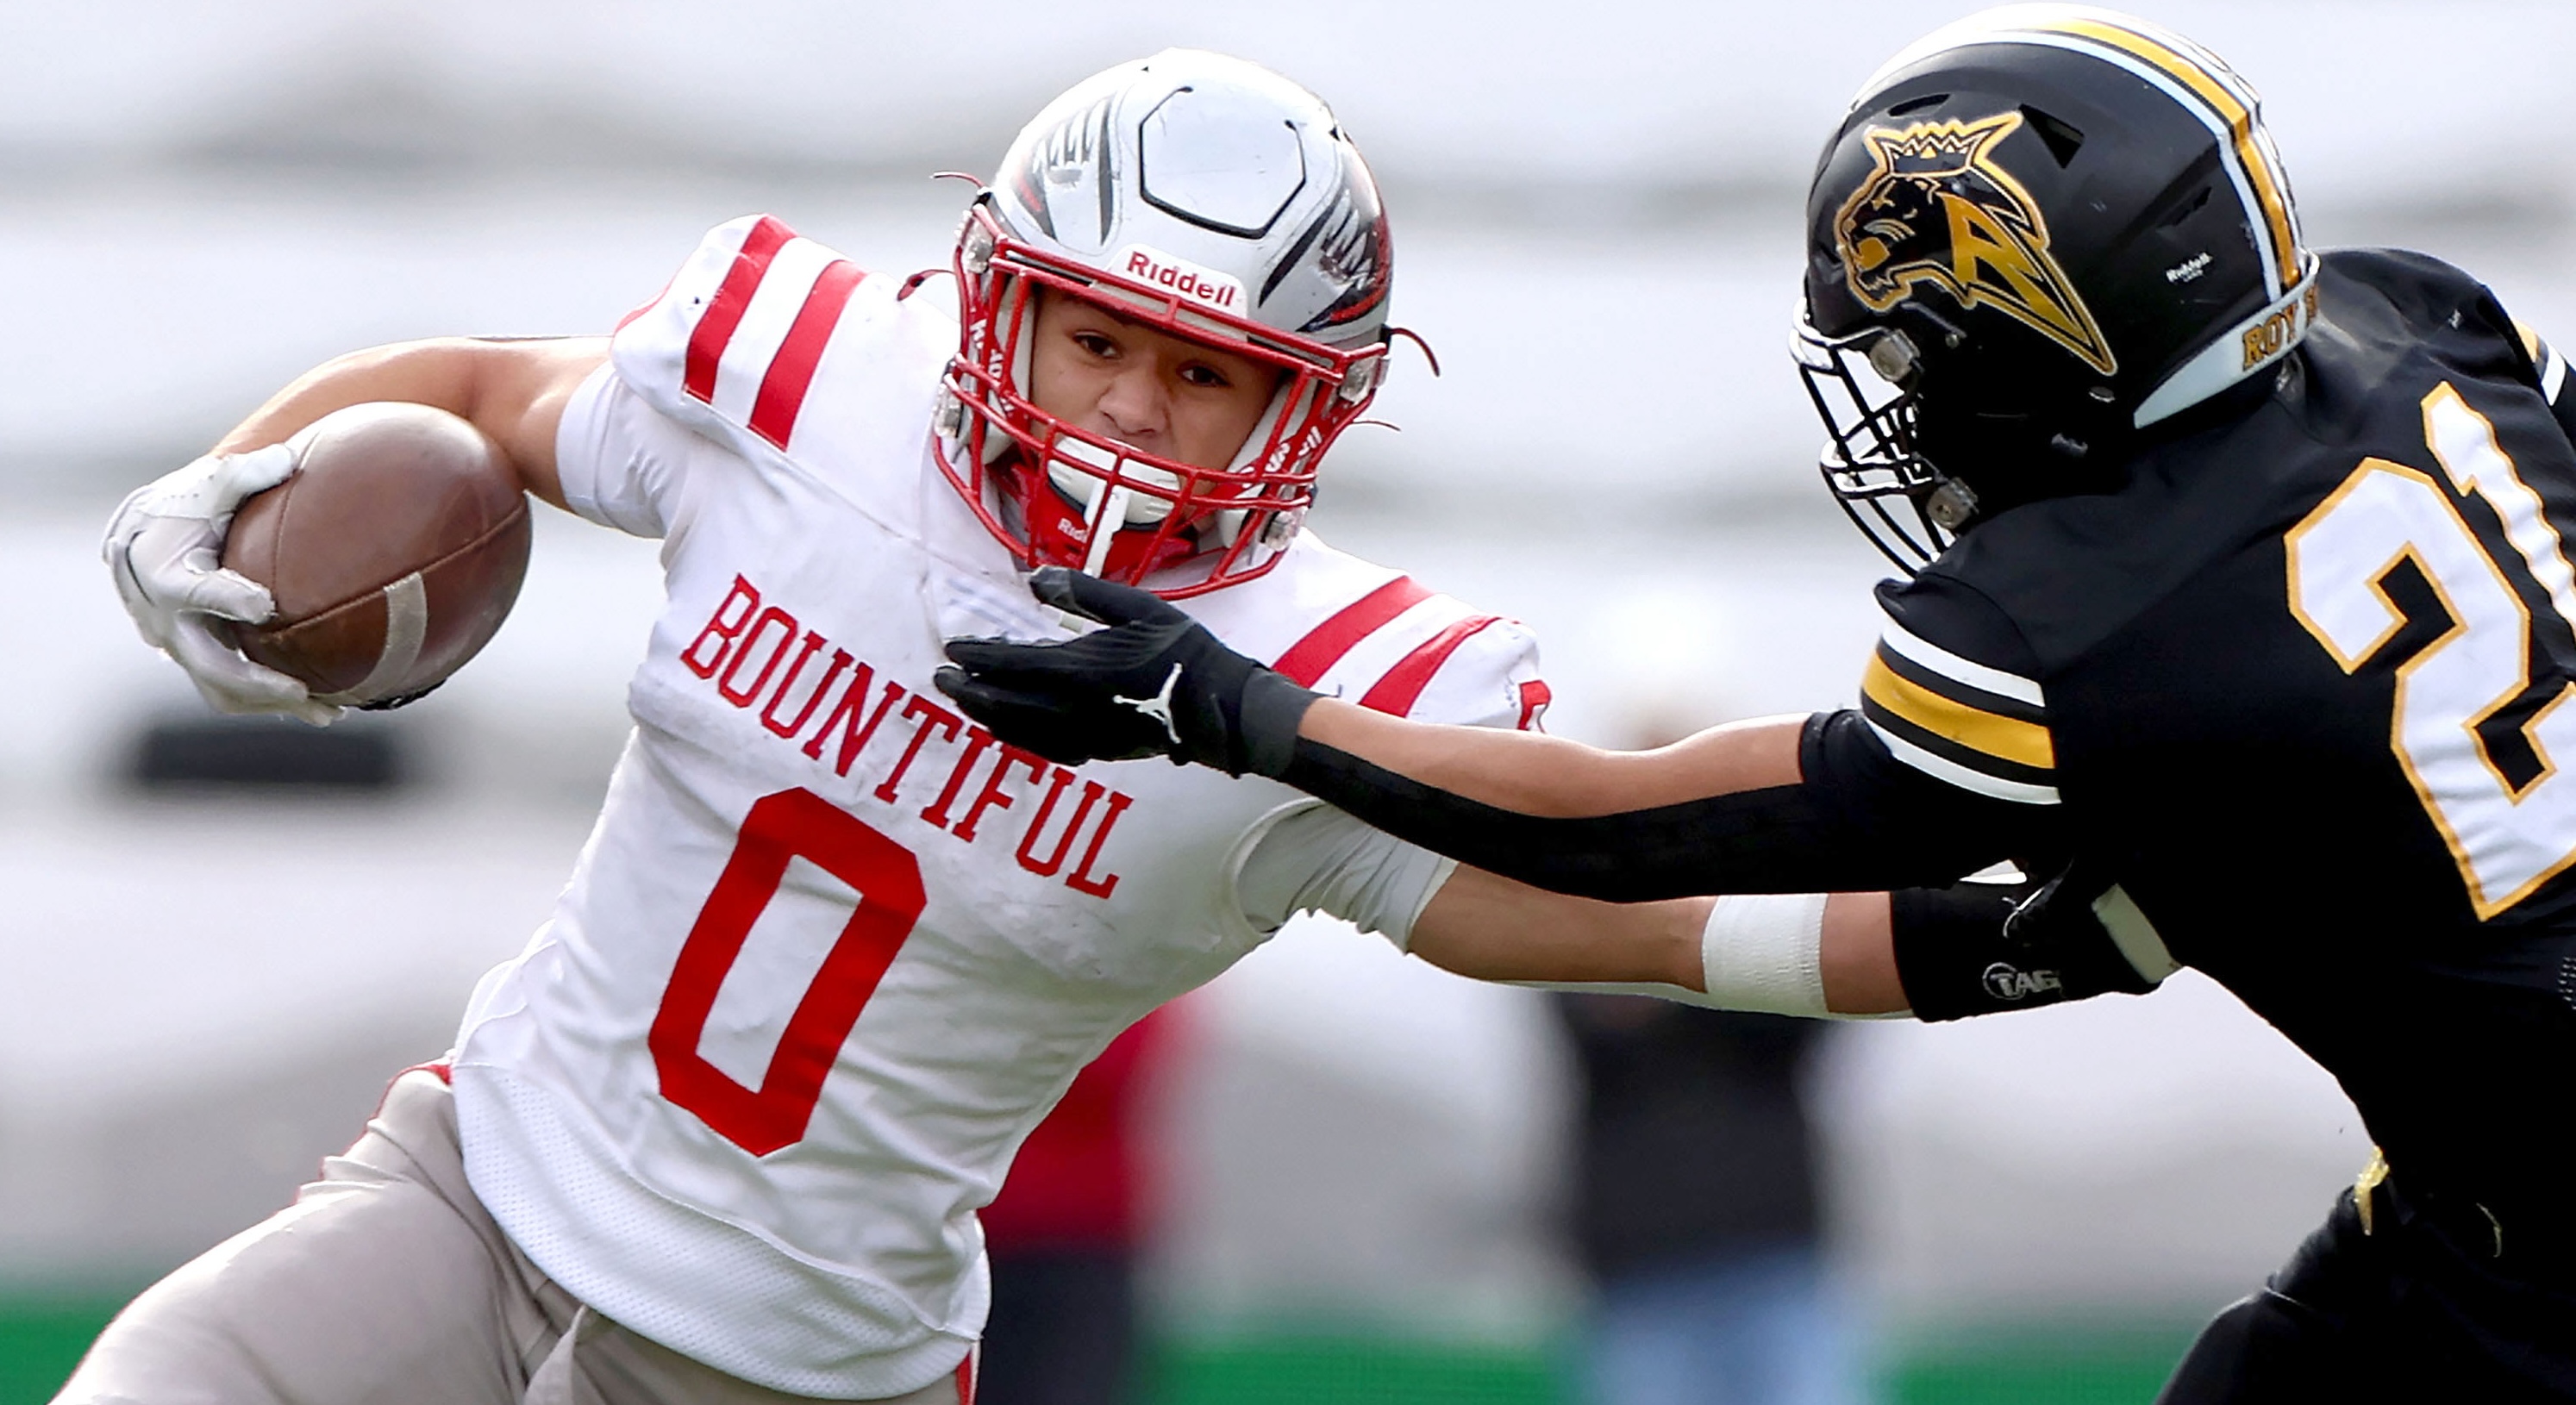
(1096,698)
(1159,706)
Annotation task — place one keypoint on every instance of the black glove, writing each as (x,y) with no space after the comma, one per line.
(1983,948)
(1155,683)
(2059,912)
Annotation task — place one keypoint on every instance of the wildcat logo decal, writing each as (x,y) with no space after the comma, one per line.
(1937,209)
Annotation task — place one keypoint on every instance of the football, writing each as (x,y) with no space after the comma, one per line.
(394,552)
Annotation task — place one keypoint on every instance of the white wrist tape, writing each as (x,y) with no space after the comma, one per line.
(1765,952)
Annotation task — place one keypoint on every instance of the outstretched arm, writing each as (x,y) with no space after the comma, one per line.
(1721,813)
(1798,954)
(1938,954)
(1814,804)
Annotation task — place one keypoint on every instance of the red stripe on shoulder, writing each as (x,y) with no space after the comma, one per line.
(782,391)
(724,311)
(1396,693)
(1535,696)
(1325,644)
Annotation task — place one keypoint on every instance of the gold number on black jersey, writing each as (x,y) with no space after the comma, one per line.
(2508,838)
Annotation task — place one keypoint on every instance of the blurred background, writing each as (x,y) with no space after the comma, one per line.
(1345,1176)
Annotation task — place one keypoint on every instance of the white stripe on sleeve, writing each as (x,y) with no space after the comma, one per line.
(1949,665)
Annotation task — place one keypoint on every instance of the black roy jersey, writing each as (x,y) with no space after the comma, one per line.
(2303,686)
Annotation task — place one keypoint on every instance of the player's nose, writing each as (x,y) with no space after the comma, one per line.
(1134,402)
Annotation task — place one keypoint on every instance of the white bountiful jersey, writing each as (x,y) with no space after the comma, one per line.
(832,951)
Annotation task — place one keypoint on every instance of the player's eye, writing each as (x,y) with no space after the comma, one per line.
(1096,343)
(1199,373)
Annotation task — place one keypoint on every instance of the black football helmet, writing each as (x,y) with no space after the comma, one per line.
(2039,232)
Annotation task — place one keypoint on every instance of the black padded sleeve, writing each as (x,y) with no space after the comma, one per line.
(1858,821)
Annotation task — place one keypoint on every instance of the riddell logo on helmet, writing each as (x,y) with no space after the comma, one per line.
(1202,285)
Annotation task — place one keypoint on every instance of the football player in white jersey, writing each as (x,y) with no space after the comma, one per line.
(721,1130)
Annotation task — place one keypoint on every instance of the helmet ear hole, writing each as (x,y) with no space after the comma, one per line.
(2062,139)
(2187,209)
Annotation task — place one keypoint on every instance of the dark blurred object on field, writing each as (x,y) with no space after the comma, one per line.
(1695,1210)
(1065,1232)
(270,753)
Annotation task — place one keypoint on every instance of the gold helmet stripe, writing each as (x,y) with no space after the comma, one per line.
(2231,100)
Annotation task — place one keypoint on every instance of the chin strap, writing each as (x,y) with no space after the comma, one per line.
(1100,533)
(1058,532)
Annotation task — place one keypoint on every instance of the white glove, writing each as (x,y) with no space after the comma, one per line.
(163,545)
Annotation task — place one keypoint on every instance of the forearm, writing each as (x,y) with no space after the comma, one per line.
(1490,928)
(514,391)
(1857,959)
(1530,773)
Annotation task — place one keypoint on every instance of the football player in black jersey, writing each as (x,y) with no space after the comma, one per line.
(2238,596)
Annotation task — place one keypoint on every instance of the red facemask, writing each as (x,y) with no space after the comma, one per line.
(1224,524)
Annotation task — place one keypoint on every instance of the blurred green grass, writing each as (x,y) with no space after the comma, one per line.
(42,1336)
(2085,1364)
(2090,1363)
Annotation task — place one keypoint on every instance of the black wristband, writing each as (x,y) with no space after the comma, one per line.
(1266,722)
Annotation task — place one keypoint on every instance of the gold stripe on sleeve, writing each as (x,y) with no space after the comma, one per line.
(2007,738)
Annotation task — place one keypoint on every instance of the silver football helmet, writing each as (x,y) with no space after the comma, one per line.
(1205,197)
